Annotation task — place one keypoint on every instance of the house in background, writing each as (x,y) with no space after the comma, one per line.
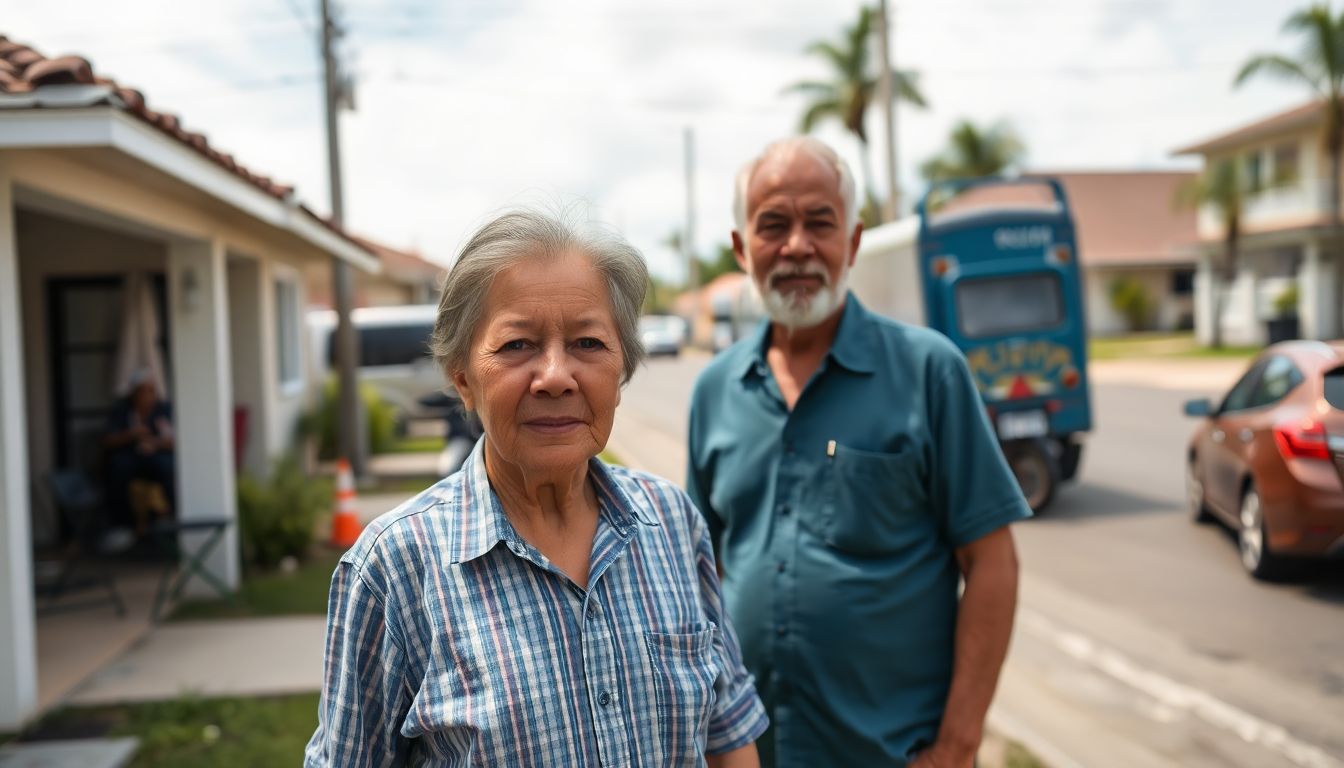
(1129,227)
(1285,233)
(407,277)
(97,187)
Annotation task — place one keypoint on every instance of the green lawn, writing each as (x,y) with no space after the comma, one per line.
(274,593)
(1160,345)
(202,733)
(432,444)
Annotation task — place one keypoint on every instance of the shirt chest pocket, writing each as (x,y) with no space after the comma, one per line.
(873,503)
(683,684)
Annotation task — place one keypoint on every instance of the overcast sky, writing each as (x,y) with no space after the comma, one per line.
(466,106)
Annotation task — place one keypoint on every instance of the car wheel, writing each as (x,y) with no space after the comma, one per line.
(1255,555)
(1194,495)
(1036,471)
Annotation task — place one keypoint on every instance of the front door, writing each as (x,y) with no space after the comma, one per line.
(84,321)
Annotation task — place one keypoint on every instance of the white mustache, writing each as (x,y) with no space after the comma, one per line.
(785,272)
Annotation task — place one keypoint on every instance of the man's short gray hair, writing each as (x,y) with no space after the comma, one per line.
(817,148)
(530,235)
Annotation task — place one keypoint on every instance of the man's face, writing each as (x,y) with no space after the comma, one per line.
(795,246)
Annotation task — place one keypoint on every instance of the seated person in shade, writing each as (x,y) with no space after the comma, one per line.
(139,443)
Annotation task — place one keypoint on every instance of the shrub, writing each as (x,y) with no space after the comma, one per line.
(1129,298)
(380,419)
(277,517)
(1285,304)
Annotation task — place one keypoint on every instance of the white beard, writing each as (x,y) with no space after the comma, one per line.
(797,309)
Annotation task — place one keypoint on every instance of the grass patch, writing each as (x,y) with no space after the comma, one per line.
(608,457)
(426,444)
(272,593)
(1016,756)
(1160,345)
(203,733)
(409,484)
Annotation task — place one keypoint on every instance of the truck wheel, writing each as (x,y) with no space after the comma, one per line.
(1036,471)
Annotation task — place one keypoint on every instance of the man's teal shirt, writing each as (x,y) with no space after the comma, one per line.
(836,525)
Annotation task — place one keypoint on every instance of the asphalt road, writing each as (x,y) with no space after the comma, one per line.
(1140,641)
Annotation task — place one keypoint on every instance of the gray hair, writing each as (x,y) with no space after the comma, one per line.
(529,235)
(816,148)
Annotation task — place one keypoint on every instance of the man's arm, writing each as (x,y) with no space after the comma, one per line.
(984,627)
(742,757)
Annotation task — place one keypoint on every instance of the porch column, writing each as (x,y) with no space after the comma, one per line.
(1204,299)
(18,643)
(202,392)
(1316,301)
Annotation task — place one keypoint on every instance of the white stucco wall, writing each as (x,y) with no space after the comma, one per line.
(1104,320)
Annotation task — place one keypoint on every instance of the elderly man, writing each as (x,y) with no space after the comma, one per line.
(850,481)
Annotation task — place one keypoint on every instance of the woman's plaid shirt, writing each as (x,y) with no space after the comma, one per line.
(452,642)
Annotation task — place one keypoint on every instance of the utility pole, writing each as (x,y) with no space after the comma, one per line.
(351,440)
(688,236)
(886,96)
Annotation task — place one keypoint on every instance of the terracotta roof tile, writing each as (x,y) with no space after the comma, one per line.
(1288,120)
(65,70)
(1121,217)
(23,70)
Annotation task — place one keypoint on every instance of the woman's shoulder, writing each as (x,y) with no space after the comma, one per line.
(655,498)
(408,534)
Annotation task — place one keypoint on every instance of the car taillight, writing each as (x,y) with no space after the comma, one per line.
(1303,439)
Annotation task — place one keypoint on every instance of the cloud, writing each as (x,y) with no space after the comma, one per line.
(465,107)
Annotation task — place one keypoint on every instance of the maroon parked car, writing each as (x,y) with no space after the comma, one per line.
(1269,459)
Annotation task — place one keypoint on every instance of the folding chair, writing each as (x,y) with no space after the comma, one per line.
(186,560)
(83,562)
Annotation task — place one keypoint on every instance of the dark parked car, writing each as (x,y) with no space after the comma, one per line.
(1269,459)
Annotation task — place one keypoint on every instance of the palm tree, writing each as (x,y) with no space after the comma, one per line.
(974,152)
(1220,187)
(847,96)
(1320,67)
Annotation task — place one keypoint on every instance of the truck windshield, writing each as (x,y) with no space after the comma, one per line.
(995,306)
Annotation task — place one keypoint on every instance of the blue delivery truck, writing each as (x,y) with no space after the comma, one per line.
(993,265)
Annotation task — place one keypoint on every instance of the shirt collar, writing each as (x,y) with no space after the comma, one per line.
(480,522)
(852,347)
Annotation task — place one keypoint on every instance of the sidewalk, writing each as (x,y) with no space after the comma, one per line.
(1210,375)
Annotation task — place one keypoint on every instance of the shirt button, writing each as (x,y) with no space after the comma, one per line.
(593,611)
(784,509)
(604,699)
(781,566)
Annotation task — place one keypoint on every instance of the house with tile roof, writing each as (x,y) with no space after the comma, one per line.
(1285,238)
(1129,227)
(99,191)
(407,277)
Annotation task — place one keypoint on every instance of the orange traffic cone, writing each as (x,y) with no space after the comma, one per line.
(345,526)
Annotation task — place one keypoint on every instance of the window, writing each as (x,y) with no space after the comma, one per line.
(1239,398)
(394,344)
(1000,305)
(1334,388)
(1182,282)
(287,357)
(1279,378)
(1286,166)
(1255,172)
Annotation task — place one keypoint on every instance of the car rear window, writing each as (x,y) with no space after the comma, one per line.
(1334,388)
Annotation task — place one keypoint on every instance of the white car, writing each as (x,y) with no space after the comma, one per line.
(394,354)
(662,334)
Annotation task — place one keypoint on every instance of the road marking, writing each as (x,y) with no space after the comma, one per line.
(1174,697)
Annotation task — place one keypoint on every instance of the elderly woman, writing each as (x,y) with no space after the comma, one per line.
(538,607)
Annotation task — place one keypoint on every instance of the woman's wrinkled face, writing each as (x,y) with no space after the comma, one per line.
(544,369)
